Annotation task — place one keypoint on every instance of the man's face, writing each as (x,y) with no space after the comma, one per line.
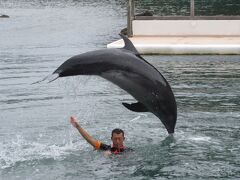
(117,140)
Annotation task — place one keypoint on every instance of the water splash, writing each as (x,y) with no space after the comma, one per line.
(138,117)
(21,150)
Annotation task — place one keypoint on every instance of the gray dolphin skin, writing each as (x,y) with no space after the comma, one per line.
(127,69)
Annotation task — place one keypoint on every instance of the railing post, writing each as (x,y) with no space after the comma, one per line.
(130,17)
(192,9)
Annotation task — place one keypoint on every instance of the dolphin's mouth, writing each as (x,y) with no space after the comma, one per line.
(53,77)
(49,78)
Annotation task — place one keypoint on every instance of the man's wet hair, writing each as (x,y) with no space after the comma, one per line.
(117,131)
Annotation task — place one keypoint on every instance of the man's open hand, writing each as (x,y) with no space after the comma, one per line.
(73,121)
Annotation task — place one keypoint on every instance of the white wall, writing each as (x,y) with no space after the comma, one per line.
(186,27)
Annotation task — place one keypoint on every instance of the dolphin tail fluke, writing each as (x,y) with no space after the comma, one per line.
(136,107)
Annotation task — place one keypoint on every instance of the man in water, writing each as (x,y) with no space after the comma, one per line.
(117,140)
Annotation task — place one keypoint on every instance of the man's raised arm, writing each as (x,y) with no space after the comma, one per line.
(95,143)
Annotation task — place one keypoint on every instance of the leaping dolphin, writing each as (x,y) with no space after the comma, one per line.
(128,70)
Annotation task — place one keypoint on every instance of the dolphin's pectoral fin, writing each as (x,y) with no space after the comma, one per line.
(136,107)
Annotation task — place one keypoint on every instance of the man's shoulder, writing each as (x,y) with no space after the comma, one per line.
(105,147)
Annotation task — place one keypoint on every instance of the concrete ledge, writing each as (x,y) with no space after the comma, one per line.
(183,45)
(186,27)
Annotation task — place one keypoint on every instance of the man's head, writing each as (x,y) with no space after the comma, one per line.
(118,138)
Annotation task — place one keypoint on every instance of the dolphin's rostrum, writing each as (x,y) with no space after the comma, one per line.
(128,70)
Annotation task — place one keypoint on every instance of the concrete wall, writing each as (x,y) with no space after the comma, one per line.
(186,27)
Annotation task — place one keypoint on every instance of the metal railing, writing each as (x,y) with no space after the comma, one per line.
(132,16)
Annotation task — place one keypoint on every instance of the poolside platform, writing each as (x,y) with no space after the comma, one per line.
(214,45)
(201,34)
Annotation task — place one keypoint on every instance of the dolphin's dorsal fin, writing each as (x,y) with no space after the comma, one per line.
(136,107)
(128,44)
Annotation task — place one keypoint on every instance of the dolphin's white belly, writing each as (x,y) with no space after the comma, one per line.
(129,82)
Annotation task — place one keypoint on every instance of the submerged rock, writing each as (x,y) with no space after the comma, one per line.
(124,31)
(146,13)
(4,16)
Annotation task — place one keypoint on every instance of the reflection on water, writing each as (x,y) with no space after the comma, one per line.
(182,7)
(36,139)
